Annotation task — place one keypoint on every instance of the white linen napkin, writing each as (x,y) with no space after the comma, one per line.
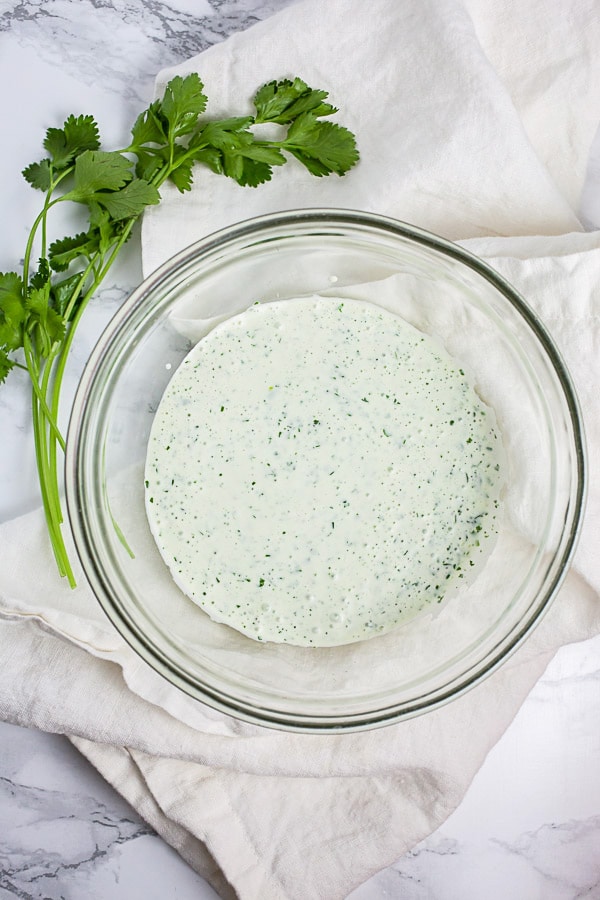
(474,119)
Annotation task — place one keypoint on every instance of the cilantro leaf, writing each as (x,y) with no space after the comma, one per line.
(6,364)
(254,172)
(149,127)
(76,136)
(82,133)
(235,151)
(233,165)
(211,157)
(130,201)
(63,292)
(41,276)
(247,172)
(66,250)
(323,147)
(182,176)
(44,324)
(183,101)
(223,135)
(12,311)
(38,175)
(11,286)
(102,227)
(283,101)
(149,163)
(99,170)
(261,151)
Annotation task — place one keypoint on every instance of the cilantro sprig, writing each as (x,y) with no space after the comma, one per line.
(41,306)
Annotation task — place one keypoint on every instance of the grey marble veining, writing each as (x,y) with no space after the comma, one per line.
(102,36)
(565,855)
(554,862)
(57,832)
(66,835)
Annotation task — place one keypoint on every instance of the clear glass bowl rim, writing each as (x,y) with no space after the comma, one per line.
(252,228)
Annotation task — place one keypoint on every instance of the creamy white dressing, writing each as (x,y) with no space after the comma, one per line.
(320,471)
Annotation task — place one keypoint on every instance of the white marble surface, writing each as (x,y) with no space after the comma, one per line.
(529,826)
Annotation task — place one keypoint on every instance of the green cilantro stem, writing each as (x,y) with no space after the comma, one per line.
(38,388)
(40,311)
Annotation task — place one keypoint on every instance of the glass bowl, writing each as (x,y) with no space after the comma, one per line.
(442,290)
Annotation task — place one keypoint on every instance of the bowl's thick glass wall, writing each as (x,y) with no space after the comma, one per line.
(441,289)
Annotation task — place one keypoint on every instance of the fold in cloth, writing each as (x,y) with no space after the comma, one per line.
(474,119)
